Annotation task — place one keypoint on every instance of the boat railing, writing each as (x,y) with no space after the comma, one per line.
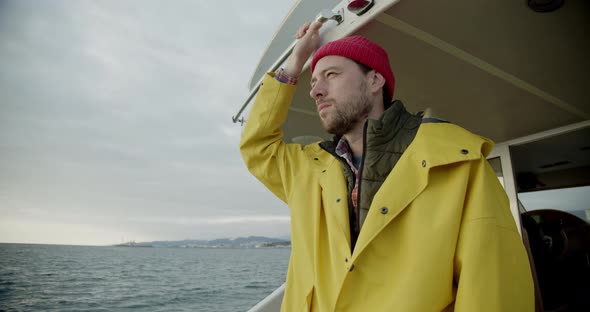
(272,302)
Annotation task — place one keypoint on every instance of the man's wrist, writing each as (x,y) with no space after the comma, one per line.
(283,77)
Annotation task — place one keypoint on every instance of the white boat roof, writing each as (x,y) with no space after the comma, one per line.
(497,68)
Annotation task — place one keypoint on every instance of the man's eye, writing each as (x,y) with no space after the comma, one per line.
(330,74)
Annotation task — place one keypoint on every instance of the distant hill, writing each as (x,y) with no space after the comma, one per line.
(240,242)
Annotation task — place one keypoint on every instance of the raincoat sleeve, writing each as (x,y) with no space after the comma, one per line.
(492,270)
(267,157)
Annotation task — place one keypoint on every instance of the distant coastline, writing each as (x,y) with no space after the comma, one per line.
(240,242)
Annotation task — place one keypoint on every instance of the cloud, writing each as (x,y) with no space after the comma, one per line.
(118,109)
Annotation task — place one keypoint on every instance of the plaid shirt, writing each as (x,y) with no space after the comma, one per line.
(343,150)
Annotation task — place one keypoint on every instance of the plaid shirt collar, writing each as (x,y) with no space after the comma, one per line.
(343,150)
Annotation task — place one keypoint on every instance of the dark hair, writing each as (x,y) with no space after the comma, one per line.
(386,98)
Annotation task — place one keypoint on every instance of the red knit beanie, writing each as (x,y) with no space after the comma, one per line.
(362,50)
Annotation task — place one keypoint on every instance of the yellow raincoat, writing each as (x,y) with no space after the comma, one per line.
(439,235)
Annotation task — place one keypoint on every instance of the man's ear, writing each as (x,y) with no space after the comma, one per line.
(377,81)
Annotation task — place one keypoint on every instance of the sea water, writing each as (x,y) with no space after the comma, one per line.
(80,278)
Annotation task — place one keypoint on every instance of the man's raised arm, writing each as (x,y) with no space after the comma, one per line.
(266,155)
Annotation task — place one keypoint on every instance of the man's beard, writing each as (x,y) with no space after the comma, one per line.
(346,115)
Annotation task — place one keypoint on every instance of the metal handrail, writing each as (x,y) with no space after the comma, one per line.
(323,17)
(271,303)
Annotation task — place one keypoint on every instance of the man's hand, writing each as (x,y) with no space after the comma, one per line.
(308,37)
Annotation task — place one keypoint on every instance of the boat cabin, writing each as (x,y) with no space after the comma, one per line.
(513,71)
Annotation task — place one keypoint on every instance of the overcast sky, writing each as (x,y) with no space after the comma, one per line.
(115,120)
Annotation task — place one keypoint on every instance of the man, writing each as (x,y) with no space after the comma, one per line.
(400,212)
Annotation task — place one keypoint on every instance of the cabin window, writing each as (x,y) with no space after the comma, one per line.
(575,201)
(553,190)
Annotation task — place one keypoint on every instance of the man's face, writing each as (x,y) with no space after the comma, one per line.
(339,88)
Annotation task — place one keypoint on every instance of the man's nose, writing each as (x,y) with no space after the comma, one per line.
(317,91)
